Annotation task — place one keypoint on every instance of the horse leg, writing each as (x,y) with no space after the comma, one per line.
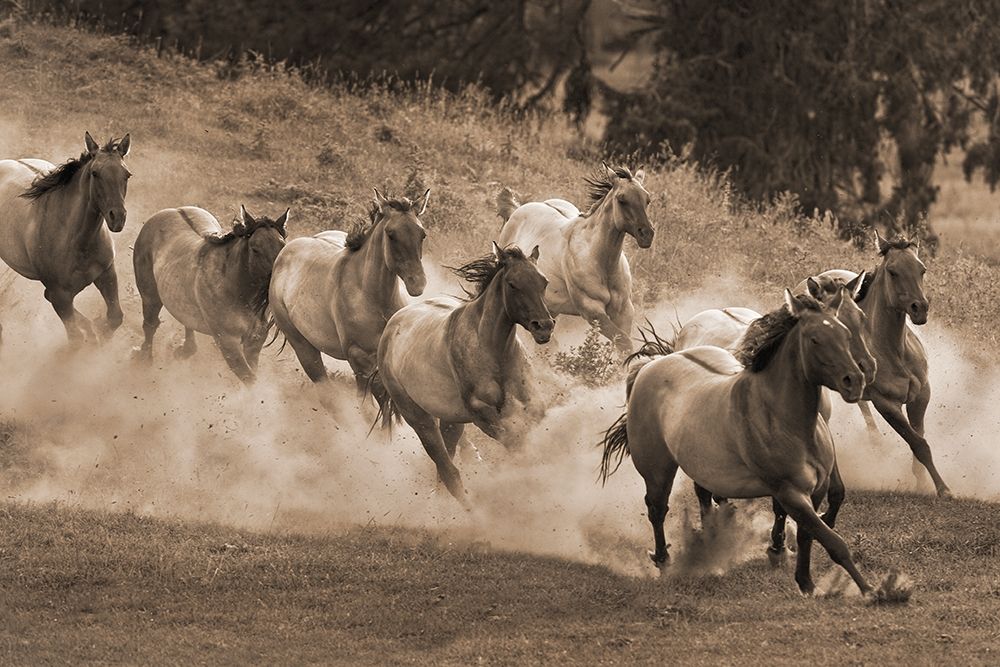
(777,552)
(189,347)
(62,303)
(834,497)
(107,285)
(426,428)
(451,433)
(892,412)
(658,488)
(253,342)
(704,502)
(866,412)
(810,526)
(232,351)
(151,306)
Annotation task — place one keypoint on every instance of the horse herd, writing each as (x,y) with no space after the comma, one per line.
(737,400)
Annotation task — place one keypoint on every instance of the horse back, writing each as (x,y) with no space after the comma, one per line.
(719,327)
(20,223)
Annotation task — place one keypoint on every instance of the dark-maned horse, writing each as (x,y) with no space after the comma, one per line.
(213,282)
(746,426)
(334,292)
(446,363)
(52,227)
(582,256)
(891,292)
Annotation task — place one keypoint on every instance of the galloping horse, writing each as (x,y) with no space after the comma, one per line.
(890,292)
(334,292)
(51,227)
(446,363)
(212,282)
(727,327)
(746,426)
(582,253)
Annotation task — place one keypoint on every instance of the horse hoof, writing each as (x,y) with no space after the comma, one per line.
(944,493)
(659,562)
(183,352)
(140,355)
(777,557)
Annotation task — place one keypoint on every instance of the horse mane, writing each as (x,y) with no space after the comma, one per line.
(600,183)
(480,272)
(765,334)
(243,229)
(63,174)
(360,232)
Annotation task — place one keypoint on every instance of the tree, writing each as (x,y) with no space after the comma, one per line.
(805,97)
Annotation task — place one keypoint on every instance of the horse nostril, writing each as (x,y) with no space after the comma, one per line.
(847,381)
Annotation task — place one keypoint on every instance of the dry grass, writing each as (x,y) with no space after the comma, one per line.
(97,588)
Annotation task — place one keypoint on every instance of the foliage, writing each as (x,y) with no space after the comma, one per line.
(594,362)
(803,96)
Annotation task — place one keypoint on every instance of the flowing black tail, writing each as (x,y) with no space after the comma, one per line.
(615,448)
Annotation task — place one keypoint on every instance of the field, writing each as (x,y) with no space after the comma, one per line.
(168,515)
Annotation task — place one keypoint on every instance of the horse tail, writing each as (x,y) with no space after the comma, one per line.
(507,203)
(387,410)
(272,329)
(653,346)
(615,447)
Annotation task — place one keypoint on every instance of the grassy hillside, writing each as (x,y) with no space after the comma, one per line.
(92,588)
(270,141)
(357,558)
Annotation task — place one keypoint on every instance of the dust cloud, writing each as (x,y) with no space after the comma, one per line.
(183,439)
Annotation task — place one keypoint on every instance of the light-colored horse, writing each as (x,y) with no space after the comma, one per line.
(582,254)
(446,363)
(213,282)
(334,292)
(52,227)
(746,427)
(893,291)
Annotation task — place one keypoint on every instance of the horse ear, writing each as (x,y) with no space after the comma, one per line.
(92,146)
(854,286)
(793,306)
(423,206)
(123,145)
(883,245)
(609,170)
(379,198)
(814,289)
(639,176)
(242,221)
(534,254)
(283,220)
(497,251)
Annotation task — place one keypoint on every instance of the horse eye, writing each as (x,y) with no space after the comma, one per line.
(892,273)
(390,234)
(814,340)
(621,199)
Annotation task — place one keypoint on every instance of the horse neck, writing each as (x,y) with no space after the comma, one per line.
(487,314)
(887,325)
(377,280)
(783,390)
(75,209)
(606,239)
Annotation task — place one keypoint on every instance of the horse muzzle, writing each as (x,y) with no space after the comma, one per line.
(541,330)
(415,284)
(917,311)
(644,237)
(115,219)
(851,387)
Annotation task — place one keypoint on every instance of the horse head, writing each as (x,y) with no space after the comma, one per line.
(825,289)
(902,275)
(628,201)
(825,345)
(109,179)
(265,239)
(404,246)
(523,291)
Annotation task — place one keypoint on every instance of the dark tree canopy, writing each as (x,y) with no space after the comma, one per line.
(825,98)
